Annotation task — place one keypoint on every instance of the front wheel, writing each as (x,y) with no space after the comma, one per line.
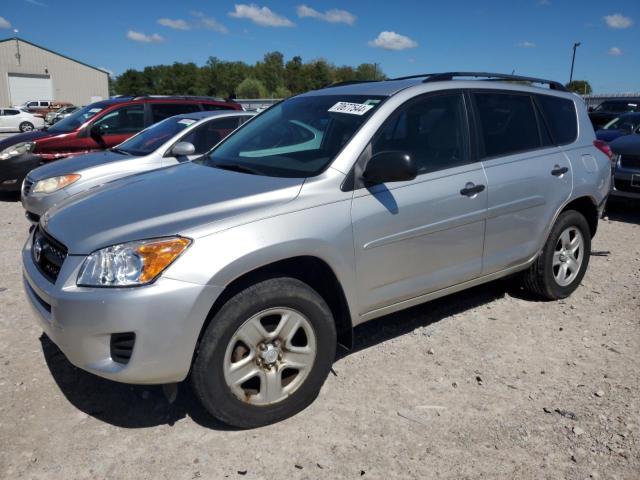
(26,127)
(266,353)
(559,269)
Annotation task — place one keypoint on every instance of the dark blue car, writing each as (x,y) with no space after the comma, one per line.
(625,124)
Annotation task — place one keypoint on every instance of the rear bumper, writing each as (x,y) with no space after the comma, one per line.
(166,318)
(622,185)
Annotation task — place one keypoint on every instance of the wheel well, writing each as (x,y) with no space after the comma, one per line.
(310,270)
(587,207)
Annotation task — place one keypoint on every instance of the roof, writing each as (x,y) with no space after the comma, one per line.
(384,88)
(13,39)
(213,113)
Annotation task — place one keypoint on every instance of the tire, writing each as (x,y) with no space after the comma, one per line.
(545,278)
(281,302)
(26,127)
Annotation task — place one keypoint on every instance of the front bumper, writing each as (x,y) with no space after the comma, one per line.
(622,183)
(36,203)
(166,317)
(13,171)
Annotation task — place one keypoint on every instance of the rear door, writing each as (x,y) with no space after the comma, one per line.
(528,177)
(419,236)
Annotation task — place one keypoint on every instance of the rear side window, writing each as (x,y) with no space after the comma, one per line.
(211,107)
(560,116)
(160,111)
(507,123)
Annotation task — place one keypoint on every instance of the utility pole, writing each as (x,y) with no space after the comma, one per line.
(573,60)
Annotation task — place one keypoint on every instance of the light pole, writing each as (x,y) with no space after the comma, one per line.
(573,60)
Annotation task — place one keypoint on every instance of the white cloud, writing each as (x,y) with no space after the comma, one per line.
(177,24)
(209,22)
(105,69)
(332,16)
(615,52)
(141,37)
(526,45)
(260,16)
(4,23)
(393,41)
(617,20)
(36,3)
(543,3)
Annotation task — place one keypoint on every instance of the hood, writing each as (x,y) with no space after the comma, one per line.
(75,164)
(626,145)
(23,137)
(160,203)
(609,135)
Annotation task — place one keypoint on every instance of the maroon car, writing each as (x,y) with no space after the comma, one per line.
(98,126)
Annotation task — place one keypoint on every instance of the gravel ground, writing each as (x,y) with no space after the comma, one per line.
(488,383)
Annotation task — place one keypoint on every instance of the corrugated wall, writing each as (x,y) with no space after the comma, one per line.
(72,81)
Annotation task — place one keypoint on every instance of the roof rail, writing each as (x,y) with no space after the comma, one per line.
(349,82)
(180,97)
(437,77)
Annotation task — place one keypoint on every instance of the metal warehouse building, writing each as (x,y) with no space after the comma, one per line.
(32,72)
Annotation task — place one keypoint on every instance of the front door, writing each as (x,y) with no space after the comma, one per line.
(420,236)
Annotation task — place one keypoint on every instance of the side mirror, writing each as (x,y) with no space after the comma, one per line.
(183,149)
(590,109)
(386,167)
(97,131)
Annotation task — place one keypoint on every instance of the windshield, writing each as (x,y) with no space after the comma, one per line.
(73,121)
(153,137)
(296,138)
(615,124)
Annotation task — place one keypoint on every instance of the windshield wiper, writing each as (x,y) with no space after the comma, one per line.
(120,151)
(234,167)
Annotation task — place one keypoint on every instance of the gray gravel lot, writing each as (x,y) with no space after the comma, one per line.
(488,383)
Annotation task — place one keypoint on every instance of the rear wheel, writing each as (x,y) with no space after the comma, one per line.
(559,269)
(265,354)
(26,127)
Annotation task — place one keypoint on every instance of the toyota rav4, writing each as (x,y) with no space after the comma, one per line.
(245,268)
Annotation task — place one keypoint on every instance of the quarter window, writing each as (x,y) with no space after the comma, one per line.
(507,123)
(432,130)
(560,117)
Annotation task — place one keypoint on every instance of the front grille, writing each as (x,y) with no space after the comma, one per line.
(48,254)
(122,346)
(26,187)
(625,186)
(630,161)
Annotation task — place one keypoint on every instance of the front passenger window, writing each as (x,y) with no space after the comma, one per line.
(129,119)
(433,130)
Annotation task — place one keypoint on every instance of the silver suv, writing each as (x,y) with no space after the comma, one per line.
(245,268)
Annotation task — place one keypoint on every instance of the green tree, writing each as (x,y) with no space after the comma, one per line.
(251,88)
(581,87)
(293,75)
(369,71)
(271,71)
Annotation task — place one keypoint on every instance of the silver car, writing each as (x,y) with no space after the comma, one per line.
(245,268)
(176,139)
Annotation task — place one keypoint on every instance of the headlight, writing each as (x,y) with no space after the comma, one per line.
(15,150)
(53,184)
(129,264)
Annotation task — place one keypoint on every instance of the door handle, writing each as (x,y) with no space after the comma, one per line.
(559,171)
(470,189)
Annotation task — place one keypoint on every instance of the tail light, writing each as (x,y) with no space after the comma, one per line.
(604,148)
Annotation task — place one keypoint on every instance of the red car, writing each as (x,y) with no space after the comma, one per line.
(98,126)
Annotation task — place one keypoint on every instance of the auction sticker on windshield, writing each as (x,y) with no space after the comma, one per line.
(187,121)
(351,108)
